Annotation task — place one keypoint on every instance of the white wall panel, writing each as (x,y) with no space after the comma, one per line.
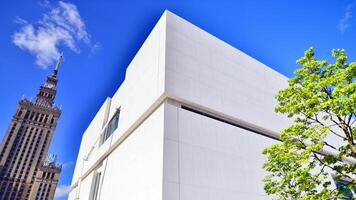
(90,136)
(210,159)
(204,70)
(143,84)
(134,170)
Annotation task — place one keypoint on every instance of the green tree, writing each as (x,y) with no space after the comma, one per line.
(321,101)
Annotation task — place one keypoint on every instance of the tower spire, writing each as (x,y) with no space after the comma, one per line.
(55,71)
(47,91)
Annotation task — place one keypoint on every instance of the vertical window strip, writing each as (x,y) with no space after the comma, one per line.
(111,127)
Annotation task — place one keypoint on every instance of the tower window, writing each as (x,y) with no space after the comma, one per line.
(32,114)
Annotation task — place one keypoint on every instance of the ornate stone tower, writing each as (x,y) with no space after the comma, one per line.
(24,174)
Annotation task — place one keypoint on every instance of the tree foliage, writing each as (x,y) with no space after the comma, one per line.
(321,101)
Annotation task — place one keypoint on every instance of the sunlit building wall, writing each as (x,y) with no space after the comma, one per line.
(189,122)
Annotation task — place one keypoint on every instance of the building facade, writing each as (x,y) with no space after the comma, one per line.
(189,122)
(46,181)
(24,147)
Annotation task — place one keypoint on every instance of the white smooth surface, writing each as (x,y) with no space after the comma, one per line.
(144,83)
(207,159)
(203,69)
(134,170)
(175,154)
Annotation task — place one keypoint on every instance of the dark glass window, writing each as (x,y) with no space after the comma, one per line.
(111,127)
(32,114)
(95,186)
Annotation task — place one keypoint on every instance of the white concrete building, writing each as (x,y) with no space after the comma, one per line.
(188,123)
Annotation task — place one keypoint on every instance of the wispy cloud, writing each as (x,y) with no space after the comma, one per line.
(62,191)
(345,22)
(61,25)
(44,3)
(67,165)
(19,20)
(95,48)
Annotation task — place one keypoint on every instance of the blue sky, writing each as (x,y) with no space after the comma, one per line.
(99,39)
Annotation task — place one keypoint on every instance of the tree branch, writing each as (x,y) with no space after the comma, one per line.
(323,163)
(331,167)
(322,124)
(329,145)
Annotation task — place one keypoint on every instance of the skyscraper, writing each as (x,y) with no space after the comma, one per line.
(24,174)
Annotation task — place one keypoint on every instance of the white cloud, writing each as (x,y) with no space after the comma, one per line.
(67,165)
(62,191)
(19,20)
(345,23)
(44,3)
(95,48)
(60,26)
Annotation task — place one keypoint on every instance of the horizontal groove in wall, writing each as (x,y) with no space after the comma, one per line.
(236,124)
(174,101)
(230,122)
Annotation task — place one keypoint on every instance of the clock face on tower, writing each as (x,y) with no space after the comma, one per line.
(49,85)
